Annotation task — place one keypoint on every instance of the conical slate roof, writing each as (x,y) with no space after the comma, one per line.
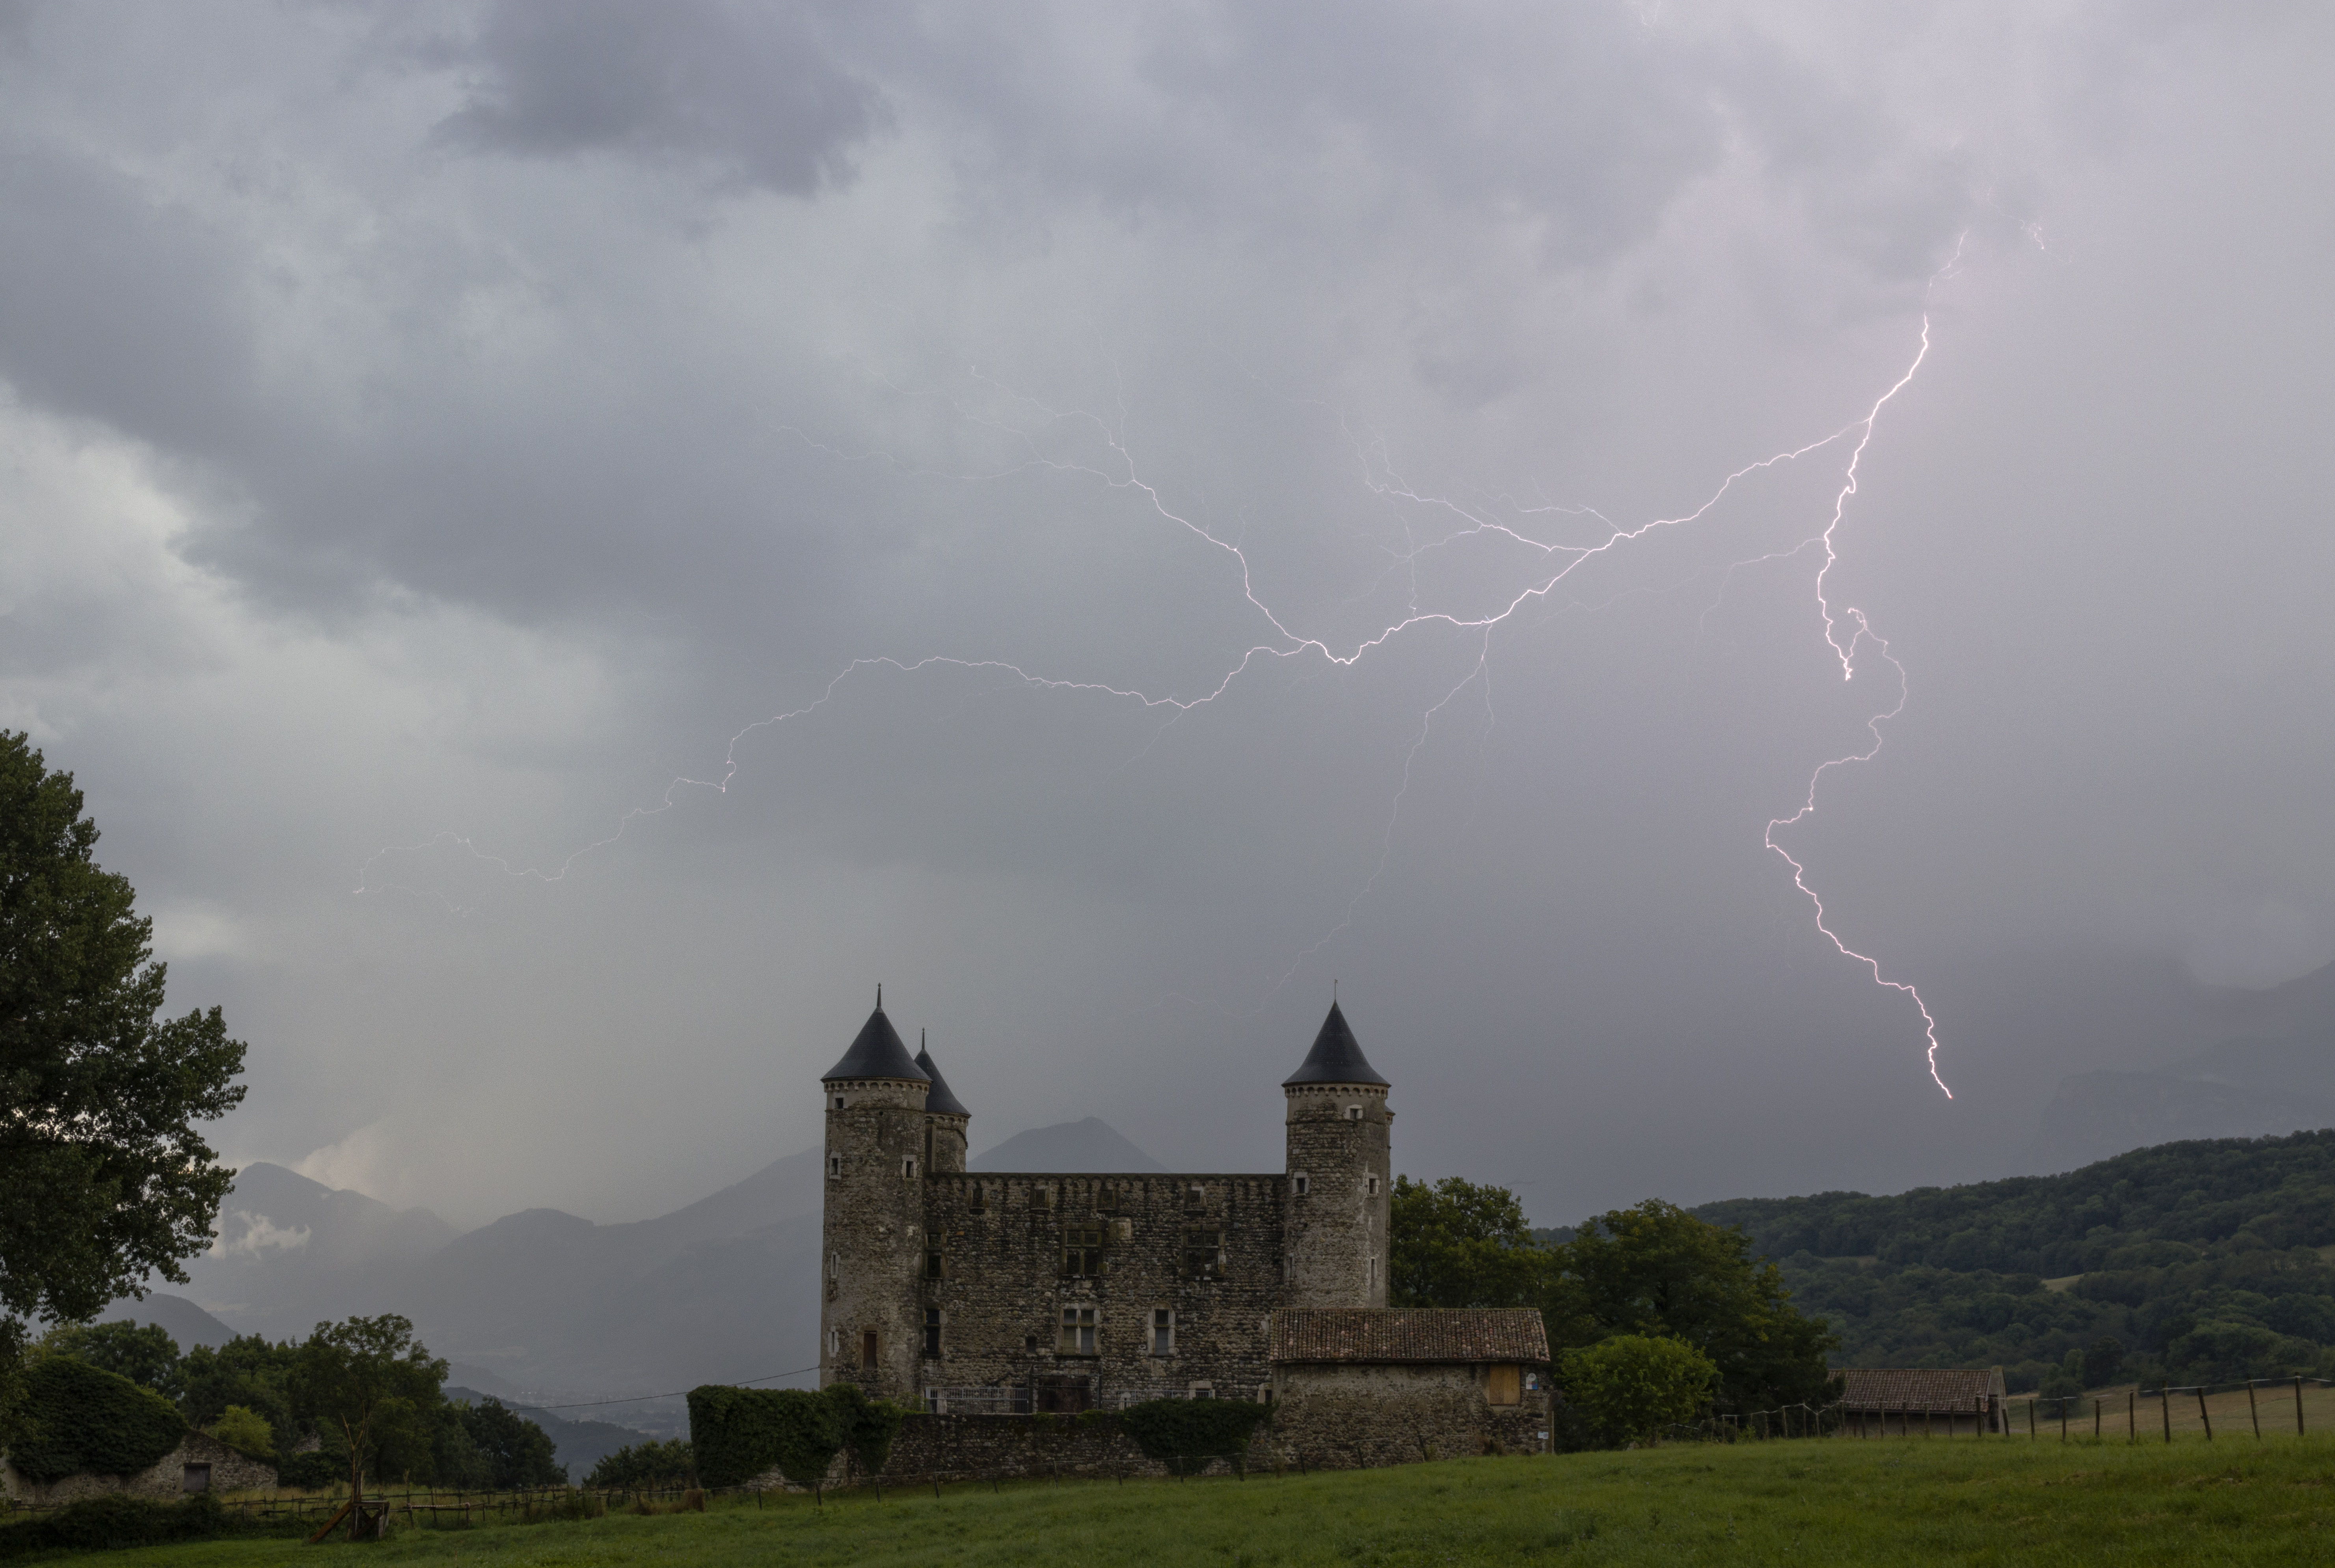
(1335,1057)
(938,1099)
(877,1053)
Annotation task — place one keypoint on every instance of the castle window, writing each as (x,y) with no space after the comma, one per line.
(932,1401)
(1353,1113)
(1078,1331)
(1203,1253)
(932,1331)
(932,1265)
(1204,1390)
(1195,1197)
(908,1166)
(1083,1252)
(978,1198)
(835,1341)
(1163,1331)
(1373,1185)
(1303,1182)
(834,1165)
(1501,1387)
(838,1102)
(868,1349)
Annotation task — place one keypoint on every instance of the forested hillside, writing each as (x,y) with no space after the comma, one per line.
(2198,1261)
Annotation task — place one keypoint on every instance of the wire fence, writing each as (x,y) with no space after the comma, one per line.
(2270,1405)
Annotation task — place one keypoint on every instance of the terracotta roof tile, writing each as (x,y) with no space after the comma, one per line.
(1410,1334)
(1942,1389)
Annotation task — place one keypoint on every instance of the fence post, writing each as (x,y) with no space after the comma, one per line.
(2164,1403)
(2063,1419)
(2298,1404)
(2030,1420)
(2202,1415)
(2253,1409)
(2132,1414)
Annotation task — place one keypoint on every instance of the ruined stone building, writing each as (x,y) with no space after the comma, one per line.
(1010,1292)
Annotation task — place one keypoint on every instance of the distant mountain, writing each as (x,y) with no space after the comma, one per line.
(1091,1146)
(293,1253)
(542,1306)
(179,1318)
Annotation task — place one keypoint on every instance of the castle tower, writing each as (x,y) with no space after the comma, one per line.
(872,1242)
(944,1120)
(1341,1143)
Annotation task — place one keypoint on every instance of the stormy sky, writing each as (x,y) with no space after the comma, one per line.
(566,542)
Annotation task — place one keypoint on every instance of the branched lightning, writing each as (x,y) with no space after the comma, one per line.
(1846,631)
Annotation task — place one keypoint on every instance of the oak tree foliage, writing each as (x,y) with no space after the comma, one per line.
(103,1177)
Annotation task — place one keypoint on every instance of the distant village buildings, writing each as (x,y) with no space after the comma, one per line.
(995,1295)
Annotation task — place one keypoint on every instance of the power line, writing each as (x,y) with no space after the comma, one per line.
(677,1393)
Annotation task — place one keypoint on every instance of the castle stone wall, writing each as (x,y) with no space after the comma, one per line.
(1206,1248)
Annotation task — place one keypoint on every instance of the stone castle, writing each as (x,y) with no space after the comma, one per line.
(1017,1292)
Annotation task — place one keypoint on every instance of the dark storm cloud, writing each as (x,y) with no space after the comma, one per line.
(748,89)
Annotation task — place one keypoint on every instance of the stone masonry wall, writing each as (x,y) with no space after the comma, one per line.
(1362,1416)
(1002,1284)
(165,1479)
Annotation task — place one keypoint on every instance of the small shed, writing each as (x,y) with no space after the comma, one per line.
(1366,1385)
(1922,1401)
(200,1463)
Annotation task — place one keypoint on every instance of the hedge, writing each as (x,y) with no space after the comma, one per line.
(85,1419)
(1168,1429)
(116,1521)
(736,1433)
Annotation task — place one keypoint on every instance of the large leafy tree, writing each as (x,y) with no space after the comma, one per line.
(147,1356)
(1454,1244)
(378,1387)
(103,1177)
(1658,1271)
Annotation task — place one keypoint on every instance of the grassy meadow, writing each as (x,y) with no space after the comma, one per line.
(1911,1501)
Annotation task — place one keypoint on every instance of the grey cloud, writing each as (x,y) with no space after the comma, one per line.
(750,88)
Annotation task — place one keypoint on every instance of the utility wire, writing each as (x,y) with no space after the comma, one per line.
(677,1393)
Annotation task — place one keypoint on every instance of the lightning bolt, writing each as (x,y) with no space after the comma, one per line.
(1846,631)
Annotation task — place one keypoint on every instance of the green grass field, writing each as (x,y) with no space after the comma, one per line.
(1898,1501)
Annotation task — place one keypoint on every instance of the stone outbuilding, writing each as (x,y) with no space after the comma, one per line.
(200,1463)
(1922,1401)
(1363,1387)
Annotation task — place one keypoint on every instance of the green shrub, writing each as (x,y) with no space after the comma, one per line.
(245,1431)
(867,1426)
(1168,1429)
(646,1464)
(83,1419)
(311,1472)
(1632,1385)
(739,1433)
(115,1521)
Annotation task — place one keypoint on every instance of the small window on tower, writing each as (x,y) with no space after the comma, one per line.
(868,1347)
(977,1198)
(932,1331)
(1083,1252)
(1163,1331)
(1303,1184)
(932,1265)
(1374,1185)
(838,1102)
(908,1166)
(1353,1113)
(834,1165)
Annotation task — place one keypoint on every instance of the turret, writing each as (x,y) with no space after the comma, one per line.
(872,1244)
(945,1119)
(1341,1147)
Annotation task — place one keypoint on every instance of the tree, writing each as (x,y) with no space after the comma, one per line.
(1632,1385)
(370,1378)
(518,1452)
(649,1463)
(248,1370)
(147,1356)
(103,1179)
(245,1431)
(1456,1245)
(1657,1270)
